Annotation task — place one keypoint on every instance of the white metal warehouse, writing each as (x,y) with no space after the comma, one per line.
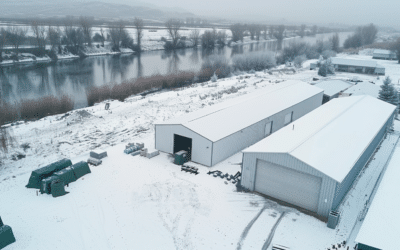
(212,134)
(313,162)
(381,226)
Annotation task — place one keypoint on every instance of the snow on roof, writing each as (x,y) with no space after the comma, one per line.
(356,62)
(381,226)
(383,51)
(333,87)
(332,137)
(228,117)
(364,88)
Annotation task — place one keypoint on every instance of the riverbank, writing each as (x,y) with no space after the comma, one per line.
(24,58)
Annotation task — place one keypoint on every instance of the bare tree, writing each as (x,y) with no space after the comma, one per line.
(396,48)
(16,36)
(39,32)
(314,29)
(334,40)
(208,39)
(221,37)
(302,30)
(258,32)
(68,30)
(138,23)
(6,140)
(368,34)
(173,26)
(117,33)
(265,29)
(237,32)
(54,36)
(103,35)
(195,36)
(279,35)
(86,24)
(3,40)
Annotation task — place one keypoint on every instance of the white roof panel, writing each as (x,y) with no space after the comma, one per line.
(226,118)
(364,88)
(382,51)
(381,226)
(332,137)
(333,87)
(356,62)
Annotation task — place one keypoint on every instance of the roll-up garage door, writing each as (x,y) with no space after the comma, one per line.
(288,185)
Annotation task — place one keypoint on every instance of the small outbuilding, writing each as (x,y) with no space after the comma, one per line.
(213,134)
(384,54)
(332,88)
(363,88)
(354,66)
(312,162)
(381,227)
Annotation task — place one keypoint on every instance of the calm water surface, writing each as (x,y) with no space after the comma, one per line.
(74,77)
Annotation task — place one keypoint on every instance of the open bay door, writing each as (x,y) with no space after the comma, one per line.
(183,143)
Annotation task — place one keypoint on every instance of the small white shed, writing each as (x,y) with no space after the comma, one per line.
(332,88)
(212,134)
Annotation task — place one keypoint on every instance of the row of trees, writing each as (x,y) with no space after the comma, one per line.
(364,35)
(73,34)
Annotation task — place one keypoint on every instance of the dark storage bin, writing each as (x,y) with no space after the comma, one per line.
(80,169)
(45,187)
(66,175)
(181,157)
(57,188)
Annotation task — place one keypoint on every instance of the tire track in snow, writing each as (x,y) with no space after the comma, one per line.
(271,234)
(248,227)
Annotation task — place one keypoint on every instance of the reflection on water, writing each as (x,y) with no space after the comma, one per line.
(74,77)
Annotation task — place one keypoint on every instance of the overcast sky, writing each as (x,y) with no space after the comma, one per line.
(381,12)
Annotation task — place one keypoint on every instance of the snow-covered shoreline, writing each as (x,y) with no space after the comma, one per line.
(149,203)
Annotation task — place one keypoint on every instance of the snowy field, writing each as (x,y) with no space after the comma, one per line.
(139,203)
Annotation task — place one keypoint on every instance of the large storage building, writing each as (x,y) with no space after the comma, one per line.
(384,54)
(212,134)
(381,227)
(332,88)
(355,66)
(312,162)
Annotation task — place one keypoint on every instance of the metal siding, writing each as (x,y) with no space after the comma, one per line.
(240,140)
(342,188)
(327,186)
(297,188)
(201,147)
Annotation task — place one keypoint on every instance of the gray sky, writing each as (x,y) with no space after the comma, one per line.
(380,12)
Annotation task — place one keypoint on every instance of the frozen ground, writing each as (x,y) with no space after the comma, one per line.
(133,202)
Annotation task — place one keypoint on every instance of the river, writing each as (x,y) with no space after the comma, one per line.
(74,77)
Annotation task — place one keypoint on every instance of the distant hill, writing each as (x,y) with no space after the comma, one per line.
(51,8)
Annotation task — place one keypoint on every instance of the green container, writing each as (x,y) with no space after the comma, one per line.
(66,175)
(180,157)
(39,174)
(57,188)
(80,169)
(45,187)
(6,236)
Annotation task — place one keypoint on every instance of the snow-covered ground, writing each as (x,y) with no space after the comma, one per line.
(139,203)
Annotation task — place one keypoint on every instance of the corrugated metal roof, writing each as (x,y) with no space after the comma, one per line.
(355,62)
(332,137)
(364,88)
(382,51)
(231,116)
(381,226)
(333,87)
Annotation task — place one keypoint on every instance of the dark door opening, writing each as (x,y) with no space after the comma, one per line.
(183,143)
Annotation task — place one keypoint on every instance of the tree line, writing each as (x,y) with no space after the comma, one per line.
(70,36)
